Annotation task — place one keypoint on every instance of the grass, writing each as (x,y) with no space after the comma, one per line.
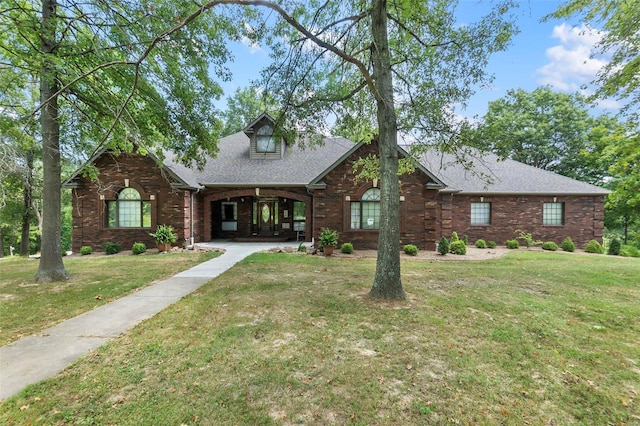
(531,338)
(27,307)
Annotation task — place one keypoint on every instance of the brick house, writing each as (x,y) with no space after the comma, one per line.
(258,188)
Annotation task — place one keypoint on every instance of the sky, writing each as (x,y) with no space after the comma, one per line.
(554,53)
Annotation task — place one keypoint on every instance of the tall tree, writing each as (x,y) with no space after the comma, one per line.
(17,136)
(620,40)
(113,73)
(244,106)
(620,78)
(410,57)
(623,204)
(549,130)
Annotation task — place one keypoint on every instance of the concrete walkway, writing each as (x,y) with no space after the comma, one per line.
(35,358)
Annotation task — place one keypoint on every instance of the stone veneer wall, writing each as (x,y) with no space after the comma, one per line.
(168,207)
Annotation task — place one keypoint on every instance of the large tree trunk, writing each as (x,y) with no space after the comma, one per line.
(26,213)
(51,267)
(387,283)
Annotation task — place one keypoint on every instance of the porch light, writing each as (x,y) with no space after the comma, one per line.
(375,183)
(482,199)
(126,183)
(555,199)
(402,198)
(347,198)
(242,200)
(257,192)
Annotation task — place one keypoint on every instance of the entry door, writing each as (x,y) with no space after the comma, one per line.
(265,217)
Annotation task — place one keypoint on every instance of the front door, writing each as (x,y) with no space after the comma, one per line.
(266,217)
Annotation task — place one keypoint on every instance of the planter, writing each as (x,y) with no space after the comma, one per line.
(164,237)
(164,247)
(328,250)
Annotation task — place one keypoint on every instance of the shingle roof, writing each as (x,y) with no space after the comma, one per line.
(490,175)
(303,166)
(233,167)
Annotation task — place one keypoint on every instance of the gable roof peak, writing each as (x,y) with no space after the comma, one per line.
(265,116)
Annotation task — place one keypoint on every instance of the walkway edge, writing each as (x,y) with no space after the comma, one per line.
(35,358)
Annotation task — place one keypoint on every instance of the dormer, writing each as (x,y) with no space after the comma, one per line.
(264,145)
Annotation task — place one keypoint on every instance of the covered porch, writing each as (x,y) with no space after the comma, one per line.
(257,215)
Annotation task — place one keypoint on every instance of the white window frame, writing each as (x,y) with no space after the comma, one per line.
(553,214)
(480,213)
(359,208)
(265,142)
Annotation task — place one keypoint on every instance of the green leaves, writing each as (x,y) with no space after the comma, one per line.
(550,130)
(620,78)
(128,71)
(435,63)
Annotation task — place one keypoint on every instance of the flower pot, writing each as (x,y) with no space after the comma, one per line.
(328,250)
(164,247)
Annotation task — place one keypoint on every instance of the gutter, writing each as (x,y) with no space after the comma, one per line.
(252,185)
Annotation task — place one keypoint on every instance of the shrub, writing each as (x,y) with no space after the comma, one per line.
(164,234)
(138,248)
(567,245)
(629,251)
(302,248)
(593,247)
(411,249)
(527,238)
(458,247)
(491,244)
(454,236)
(85,250)
(465,238)
(481,243)
(512,244)
(549,245)
(328,237)
(347,248)
(443,246)
(614,247)
(112,248)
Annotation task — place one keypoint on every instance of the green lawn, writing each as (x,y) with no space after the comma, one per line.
(531,338)
(26,307)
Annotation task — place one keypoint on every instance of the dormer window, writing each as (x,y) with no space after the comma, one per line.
(265,141)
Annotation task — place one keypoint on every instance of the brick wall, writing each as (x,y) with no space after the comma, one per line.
(168,205)
(418,206)
(583,218)
(425,214)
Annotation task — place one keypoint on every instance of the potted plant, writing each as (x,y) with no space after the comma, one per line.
(328,240)
(164,237)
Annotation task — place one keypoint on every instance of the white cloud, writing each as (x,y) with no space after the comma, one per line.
(573,63)
(251,44)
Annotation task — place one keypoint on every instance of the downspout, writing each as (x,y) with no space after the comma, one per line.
(313,216)
(192,217)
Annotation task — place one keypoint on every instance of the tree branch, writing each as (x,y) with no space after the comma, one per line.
(417,38)
(349,95)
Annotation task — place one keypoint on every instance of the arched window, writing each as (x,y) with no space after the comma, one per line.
(365,214)
(265,141)
(129,211)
